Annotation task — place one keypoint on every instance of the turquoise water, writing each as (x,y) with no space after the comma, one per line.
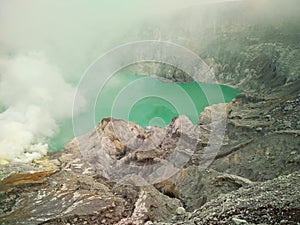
(149,101)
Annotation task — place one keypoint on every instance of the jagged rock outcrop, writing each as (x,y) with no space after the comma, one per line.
(272,202)
(120,173)
(71,187)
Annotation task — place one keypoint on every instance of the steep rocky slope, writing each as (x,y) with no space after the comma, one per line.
(253,178)
(69,186)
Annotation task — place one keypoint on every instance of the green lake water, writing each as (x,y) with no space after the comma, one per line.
(149,101)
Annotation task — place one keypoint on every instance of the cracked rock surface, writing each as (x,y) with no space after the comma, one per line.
(120,173)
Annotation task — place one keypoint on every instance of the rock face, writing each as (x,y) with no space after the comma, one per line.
(70,188)
(271,202)
(120,173)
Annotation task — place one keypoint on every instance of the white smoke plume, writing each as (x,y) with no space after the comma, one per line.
(35,97)
(34,89)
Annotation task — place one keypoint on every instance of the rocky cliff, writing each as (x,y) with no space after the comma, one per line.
(252,179)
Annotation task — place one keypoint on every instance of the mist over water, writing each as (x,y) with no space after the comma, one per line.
(149,101)
(29,91)
(146,98)
(45,47)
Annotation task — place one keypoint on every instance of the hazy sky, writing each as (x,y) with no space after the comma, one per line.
(45,44)
(74,32)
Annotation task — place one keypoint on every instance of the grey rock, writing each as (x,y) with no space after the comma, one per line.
(180,211)
(253,176)
(278,198)
(238,221)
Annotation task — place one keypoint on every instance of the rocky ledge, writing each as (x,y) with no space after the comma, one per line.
(120,173)
(252,179)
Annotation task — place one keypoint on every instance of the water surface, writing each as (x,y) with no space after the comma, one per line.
(149,101)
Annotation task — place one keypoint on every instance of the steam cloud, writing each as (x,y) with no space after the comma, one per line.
(46,45)
(35,97)
(35,93)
